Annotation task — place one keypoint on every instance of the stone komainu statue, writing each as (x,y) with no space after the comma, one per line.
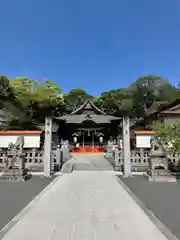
(19,143)
(156,145)
(14,152)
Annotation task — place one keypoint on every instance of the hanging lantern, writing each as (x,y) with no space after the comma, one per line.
(100,139)
(75,139)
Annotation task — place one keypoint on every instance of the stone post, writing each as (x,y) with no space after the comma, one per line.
(58,157)
(116,156)
(142,155)
(118,139)
(34,156)
(21,161)
(126,146)
(48,147)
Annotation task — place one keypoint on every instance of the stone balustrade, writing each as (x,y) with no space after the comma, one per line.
(139,158)
(34,157)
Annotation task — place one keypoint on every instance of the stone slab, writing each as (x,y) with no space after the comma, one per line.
(85,205)
(162,199)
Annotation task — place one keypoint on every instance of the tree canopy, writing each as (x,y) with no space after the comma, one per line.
(75,98)
(36,99)
(169,135)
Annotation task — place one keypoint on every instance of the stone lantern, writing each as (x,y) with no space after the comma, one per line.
(158,163)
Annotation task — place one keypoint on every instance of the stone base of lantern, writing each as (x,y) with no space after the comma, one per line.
(161,176)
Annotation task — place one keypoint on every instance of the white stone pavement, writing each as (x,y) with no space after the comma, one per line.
(85,206)
(94,162)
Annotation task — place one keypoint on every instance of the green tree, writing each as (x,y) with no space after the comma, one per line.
(151,91)
(38,99)
(54,86)
(6,90)
(8,101)
(144,95)
(75,98)
(169,135)
(116,102)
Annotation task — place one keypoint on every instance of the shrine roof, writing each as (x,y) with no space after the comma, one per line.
(85,118)
(88,106)
(87,112)
(170,108)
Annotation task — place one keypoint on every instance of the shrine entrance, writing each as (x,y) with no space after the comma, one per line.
(87,129)
(89,140)
(84,122)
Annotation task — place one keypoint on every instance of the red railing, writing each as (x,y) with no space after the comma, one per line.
(88,149)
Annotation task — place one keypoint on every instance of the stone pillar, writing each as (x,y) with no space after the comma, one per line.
(142,155)
(117,160)
(48,147)
(118,139)
(21,161)
(58,157)
(126,146)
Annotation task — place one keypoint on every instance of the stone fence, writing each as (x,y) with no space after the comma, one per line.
(139,159)
(34,158)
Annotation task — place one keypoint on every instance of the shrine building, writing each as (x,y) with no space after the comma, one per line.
(88,128)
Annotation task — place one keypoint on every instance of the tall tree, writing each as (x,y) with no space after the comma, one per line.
(169,135)
(75,98)
(6,90)
(116,102)
(148,91)
(37,98)
(9,104)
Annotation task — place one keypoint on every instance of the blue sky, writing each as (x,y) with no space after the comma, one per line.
(96,45)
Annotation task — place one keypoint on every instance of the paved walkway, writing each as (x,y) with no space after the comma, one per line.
(85,206)
(91,162)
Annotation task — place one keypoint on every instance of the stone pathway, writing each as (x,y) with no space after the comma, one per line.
(85,205)
(91,162)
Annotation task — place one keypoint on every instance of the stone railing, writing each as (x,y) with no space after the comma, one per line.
(34,158)
(139,159)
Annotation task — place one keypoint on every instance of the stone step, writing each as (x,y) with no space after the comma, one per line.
(162,178)
(11,170)
(11,174)
(67,168)
(10,177)
(80,167)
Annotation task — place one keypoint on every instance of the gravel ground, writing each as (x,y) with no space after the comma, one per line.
(14,196)
(163,199)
